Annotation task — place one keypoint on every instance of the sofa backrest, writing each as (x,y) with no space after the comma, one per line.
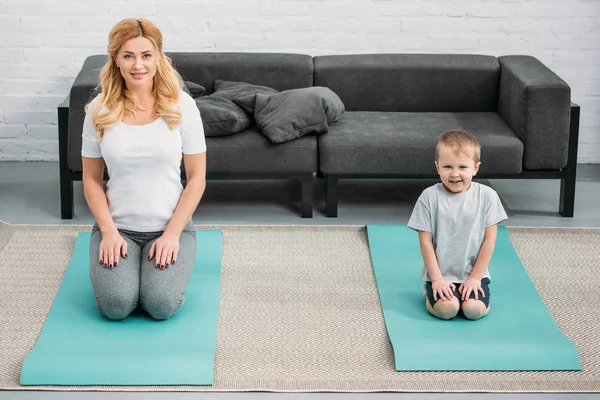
(279,71)
(411,82)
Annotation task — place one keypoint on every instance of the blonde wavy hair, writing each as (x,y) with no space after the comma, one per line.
(115,100)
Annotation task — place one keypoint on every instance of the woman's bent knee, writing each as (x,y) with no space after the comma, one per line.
(162,307)
(116,306)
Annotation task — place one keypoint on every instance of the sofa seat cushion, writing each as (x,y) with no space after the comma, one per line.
(250,151)
(368,142)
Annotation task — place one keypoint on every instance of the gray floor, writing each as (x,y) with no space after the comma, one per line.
(29,195)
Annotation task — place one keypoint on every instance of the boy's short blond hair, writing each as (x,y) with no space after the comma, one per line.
(461,142)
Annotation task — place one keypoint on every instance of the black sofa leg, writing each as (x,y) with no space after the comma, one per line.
(307,196)
(331,202)
(567,197)
(66,197)
(66,183)
(567,184)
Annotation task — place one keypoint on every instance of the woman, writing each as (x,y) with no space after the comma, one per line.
(143,244)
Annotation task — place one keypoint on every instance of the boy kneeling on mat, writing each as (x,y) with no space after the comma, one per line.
(456,220)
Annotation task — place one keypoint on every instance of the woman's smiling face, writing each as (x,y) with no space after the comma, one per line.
(137,60)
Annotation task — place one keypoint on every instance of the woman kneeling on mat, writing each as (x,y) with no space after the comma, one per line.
(457,224)
(143,244)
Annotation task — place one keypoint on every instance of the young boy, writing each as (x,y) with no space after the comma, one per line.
(456,220)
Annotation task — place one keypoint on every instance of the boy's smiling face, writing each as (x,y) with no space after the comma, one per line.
(456,170)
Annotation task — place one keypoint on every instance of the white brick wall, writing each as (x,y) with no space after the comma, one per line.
(43,44)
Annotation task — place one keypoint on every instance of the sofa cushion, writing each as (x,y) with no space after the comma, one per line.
(291,114)
(251,152)
(241,90)
(404,143)
(193,89)
(221,117)
(411,82)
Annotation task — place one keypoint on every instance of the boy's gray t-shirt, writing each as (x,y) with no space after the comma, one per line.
(457,222)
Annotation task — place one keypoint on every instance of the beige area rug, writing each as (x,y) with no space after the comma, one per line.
(300,311)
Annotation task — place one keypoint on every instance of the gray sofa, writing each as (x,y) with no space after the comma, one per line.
(396,107)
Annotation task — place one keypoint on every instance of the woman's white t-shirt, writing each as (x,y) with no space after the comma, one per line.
(144,165)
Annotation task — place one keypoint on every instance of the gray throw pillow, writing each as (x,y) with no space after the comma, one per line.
(221,117)
(241,90)
(193,89)
(294,113)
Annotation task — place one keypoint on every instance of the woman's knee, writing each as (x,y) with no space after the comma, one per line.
(117,306)
(162,306)
(474,309)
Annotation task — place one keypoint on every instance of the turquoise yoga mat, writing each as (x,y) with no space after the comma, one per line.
(518,334)
(78,346)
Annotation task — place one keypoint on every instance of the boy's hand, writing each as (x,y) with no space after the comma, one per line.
(471,285)
(442,289)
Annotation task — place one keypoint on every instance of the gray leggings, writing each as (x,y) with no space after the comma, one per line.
(136,280)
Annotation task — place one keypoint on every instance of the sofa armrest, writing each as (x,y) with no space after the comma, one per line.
(82,92)
(65,102)
(536,104)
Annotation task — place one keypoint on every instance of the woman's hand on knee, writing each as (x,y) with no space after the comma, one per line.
(165,248)
(112,248)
